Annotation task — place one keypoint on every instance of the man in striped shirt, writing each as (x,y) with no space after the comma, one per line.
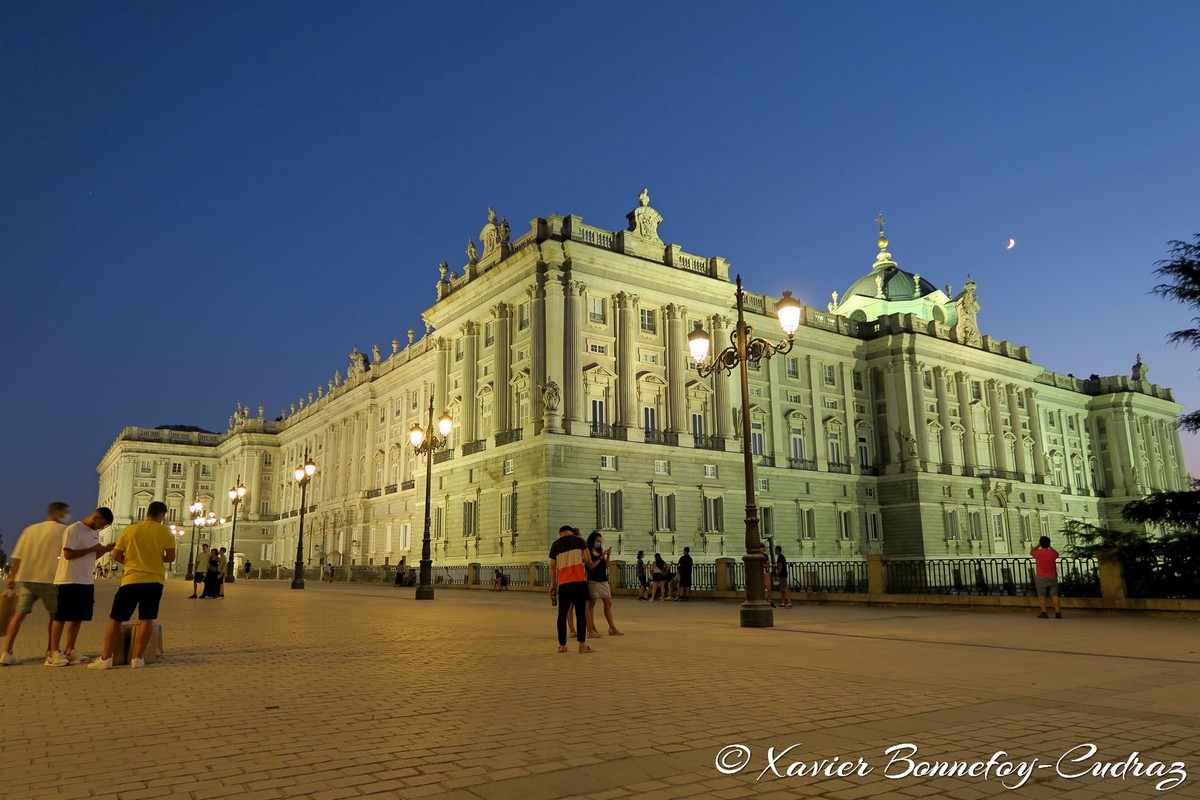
(569,560)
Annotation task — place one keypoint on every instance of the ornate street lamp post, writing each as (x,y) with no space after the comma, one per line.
(235,496)
(424,442)
(197,512)
(303,474)
(745,348)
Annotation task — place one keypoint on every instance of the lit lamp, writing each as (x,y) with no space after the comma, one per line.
(303,474)
(424,441)
(745,348)
(235,497)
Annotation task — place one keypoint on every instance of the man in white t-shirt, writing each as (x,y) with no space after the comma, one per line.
(34,560)
(76,582)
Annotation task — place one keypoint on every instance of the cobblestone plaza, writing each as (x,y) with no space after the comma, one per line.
(352,690)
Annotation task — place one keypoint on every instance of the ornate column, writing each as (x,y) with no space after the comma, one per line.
(125,485)
(676,368)
(573,391)
(820,444)
(999,451)
(1014,422)
(501,352)
(537,356)
(470,374)
(1035,430)
(720,387)
(555,333)
(943,404)
(967,415)
(627,416)
(160,478)
(911,382)
(254,468)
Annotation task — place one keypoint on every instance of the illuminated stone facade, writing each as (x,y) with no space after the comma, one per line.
(893,426)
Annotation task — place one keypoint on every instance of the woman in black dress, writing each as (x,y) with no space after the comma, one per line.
(212,575)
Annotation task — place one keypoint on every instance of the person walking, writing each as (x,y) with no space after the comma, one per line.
(144,548)
(34,561)
(781,573)
(569,562)
(643,584)
(599,589)
(768,574)
(685,575)
(75,578)
(1045,577)
(201,567)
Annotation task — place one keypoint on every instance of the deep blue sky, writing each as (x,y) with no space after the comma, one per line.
(207,203)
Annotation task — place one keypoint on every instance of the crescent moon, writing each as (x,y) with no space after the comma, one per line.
(1011,244)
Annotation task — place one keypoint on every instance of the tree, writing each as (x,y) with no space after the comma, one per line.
(1181,276)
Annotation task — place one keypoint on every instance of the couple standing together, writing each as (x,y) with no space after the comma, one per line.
(579,578)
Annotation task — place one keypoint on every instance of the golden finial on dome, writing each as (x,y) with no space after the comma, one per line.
(884,259)
(883,242)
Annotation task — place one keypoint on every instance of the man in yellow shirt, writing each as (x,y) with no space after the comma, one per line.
(145,549)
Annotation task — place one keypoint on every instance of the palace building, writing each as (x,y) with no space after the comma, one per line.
(893,426)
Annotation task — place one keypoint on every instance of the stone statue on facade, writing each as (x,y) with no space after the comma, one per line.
(1139,369)
(966,306)
(375,359)
(551,396)
(505,231)
(472,252)
(644,220)
(834,304)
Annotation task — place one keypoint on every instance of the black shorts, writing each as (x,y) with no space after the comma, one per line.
(145,597)
(198,577)
(642,581)
(75,602)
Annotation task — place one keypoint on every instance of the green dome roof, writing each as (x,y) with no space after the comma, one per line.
(897,285)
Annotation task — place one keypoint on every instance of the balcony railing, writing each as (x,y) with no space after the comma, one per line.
(477,446)
(374,492)
(802,463)
(844,469)
(661,437)
(599,431)
(508,437)
(443,455)
(389,489)
(704,441)
(766,461)
(868,469)
(408,484)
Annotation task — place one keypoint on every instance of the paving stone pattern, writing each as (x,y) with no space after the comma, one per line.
(351,690)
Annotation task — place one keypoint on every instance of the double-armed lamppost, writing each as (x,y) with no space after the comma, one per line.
(745,348)
(235,496)
(424,441)
(303,474)
(200,519)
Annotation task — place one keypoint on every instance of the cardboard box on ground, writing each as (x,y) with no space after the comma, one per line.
(124,647)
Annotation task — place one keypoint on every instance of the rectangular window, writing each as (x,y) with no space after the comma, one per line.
(762,484)
(599,416)
(830,402)
(793,397)
(1050,419)
(864,454)
(835,448)
(599,349)
(176,468)
(952,531)
(998,526)
(858,381)
(808,526)
(756,438)
(264,508)
(846,525)
(928,379)
(793,368)
(597,310)
(1045,528)
(172,514)
(508,512)
(141,513)
(609,510)
(650,358)
(608,463)
(1020,400)
(458,349)
(438,523)
(830,375)
(662,467)
(714,514)
(710,471)
(664,512)
(1026,528)
(1070,423)
(797,444)
(976,526)
(766,521)
(470,511)
(405,536)
(206,470)
(649,320)
(976,390)
(650,419)
(697,425)
(267,460)
(522,316)
(508,466)
(874,526)
(145,468)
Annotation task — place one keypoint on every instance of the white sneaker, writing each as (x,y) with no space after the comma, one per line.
(75,658)
(57,659)
(101,663)
(137,663)
(8,659)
